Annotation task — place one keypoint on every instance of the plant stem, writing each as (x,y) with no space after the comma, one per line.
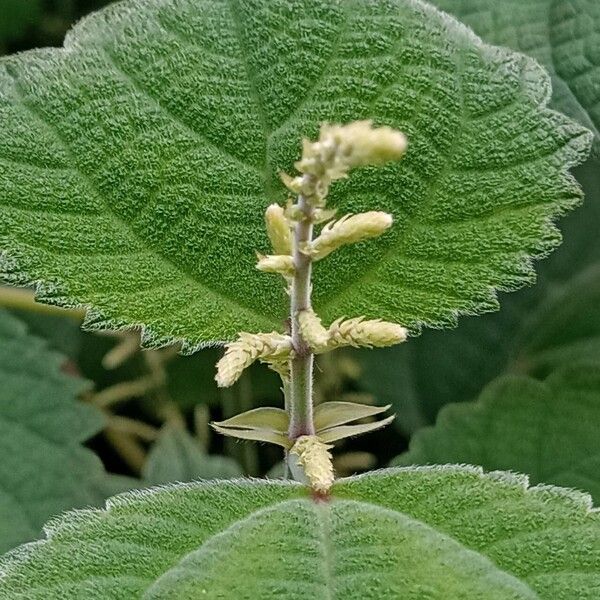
(22,299)
(128,447)
(301,409)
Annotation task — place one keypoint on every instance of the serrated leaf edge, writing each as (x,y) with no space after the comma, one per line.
(580,501)
(96,319)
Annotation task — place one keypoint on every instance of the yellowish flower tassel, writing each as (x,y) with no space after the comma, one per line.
(312,461)
(312,330)
(278,229)
(246,349)
(358,332)
(361,144)
(282,264)
(339,149)
(348,230)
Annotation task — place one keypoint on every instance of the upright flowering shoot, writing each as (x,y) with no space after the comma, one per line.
(306,432)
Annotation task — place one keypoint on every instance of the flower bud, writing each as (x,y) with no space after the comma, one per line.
(362,144)
(294,184)
(321,215)
(310,460)
(278,229)
(358,332)
(313,332)
(276,263)
(339,149)
(246,349)
(348,230)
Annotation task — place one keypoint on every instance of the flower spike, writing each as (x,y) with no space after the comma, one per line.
(248,348)
(348,230)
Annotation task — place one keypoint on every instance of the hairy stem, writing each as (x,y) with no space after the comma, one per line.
(301,409)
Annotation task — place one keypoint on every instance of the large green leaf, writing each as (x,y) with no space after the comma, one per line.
(177,456)
(547,429)
(137,162)
(563,35)
(441,367)
(444,532)
(61,332)
(44,469)
(191,381)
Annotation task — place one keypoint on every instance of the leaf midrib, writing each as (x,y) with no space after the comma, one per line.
(322,512)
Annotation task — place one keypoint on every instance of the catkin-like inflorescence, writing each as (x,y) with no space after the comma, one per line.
(348,230)
(314,458)
(359,332)
(283,264)
(278,229)
(360,144)
(248,348)
(312,331)
(339,149)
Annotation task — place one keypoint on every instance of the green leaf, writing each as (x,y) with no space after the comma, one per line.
(332,414)
(177,456)
(443,532)
(44,469)
(547,429)
(441,367)
(264,417)
(563,35)
(563,329)
(137,162)
(256,434)
(340,432)
(191,379)
(62,333)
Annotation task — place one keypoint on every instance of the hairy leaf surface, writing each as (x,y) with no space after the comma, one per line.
(44,470)
(137,161)
(443,532)
(548,429)
(563,329)
(527,335)
(563,35)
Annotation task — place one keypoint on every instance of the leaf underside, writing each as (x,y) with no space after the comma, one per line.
(44,470)
(136,162)
(563,35)
(443,532)
(547,429)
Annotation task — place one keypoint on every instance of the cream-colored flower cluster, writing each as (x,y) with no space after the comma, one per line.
(272,348)
(348,332)
(310,459)
(338,149)
(347,230)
